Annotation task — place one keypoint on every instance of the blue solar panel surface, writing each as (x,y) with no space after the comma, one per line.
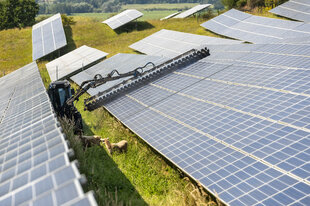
(256,29)
(170,43)
(123,63)
(240,128)
(34,161)
(294,9)
(47,36)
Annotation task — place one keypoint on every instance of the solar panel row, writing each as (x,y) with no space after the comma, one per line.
(170,43)
(34,162)
(294,9)
(170,16)
(123,18)
(74,61)
(47,36)
(192,11)
(239,128)
(256,29)
(122,63)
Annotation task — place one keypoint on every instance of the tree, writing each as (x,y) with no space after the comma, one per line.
(229,3)
(18,13)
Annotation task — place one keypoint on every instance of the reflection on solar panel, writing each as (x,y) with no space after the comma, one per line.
(192,11)
(294,9)
(123,18)
(173,43)
(47,36)
(170,16)
(241,130)
(256,29)
(35,167)
(122,63)
(73,62)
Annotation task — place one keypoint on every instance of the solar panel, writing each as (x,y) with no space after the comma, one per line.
(240,130)
(256,29)
(47,36)
(192,11)
(297,40)
(292,56)
(122,63)
(170,43)
(34,155)
(123,18)
(73,62)
(294,9)
(170,16)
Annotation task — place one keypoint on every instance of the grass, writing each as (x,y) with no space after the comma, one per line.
(15,49)
(150,11)
(180,6)
(140,177)
(147,15)
(106,39)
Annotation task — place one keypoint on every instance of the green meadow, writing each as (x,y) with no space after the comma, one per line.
(141,176)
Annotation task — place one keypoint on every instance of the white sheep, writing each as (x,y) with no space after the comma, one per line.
(120,146)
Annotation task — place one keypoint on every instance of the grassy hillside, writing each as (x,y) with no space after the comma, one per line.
(140,7)
(140,177)
(15,49)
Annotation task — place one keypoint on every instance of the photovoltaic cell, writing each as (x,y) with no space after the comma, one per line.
(256,29)
(123,18)
(294,9)
(238,127)
(73,62)
(47,36)
(170,43)
(192,11)
(123,63)
(33,151)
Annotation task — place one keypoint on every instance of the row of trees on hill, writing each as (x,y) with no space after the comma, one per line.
(251,3)
(17,13)
(86,6)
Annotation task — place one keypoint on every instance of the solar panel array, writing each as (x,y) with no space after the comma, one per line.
(35,167)
(256,29)
(123,18)
(192,11)
(73,62)
(170,16)
(240,126)
(47,36)
(170,43)
(122,63)
(294,9)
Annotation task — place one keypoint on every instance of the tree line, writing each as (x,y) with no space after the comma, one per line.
(17,13)
(87,6)
(251,3)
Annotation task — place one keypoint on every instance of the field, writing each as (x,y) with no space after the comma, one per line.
(159,6)
(140,177)
(150,11)
(148,15)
